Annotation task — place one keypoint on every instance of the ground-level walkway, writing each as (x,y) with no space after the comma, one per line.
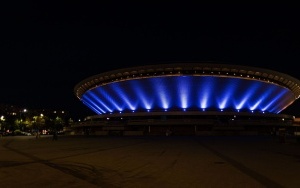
(149,161)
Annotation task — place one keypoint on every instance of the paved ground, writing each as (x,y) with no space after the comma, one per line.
(72,161)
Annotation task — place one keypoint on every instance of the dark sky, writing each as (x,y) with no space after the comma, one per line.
(46,48)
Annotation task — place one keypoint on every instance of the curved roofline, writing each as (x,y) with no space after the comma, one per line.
(216,69)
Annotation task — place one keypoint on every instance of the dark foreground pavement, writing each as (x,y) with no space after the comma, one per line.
(212,161)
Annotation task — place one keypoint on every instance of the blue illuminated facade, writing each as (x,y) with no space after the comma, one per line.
(195,93)
(189,98)
(188,87)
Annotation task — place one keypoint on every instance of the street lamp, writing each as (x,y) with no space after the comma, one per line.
(2,119)
(38,125)
(25,110)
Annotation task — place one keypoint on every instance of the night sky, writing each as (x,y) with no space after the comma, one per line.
(46,49)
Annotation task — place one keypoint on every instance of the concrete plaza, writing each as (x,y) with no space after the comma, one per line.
(149,161)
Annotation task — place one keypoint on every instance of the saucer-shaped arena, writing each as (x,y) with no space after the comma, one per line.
(189,94)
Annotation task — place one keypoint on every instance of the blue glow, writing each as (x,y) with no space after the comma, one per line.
(183,90)
(188,92)
(279,102)
(275,100)
(242,103)
(141,93)
(254,106)
(93,101)
(229,89)
(204,90)
(246,99)
(162,91)
(222,105)
(204,101)
(104,95)
(124,96)
(94,108)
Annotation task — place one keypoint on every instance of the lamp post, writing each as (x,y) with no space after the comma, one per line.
(38,125)
(25,110)
(2,119)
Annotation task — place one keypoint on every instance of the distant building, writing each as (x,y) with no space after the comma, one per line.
(189,98)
